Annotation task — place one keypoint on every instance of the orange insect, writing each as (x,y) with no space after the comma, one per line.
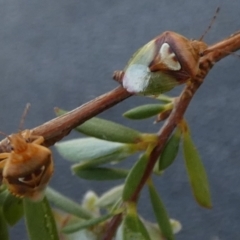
(27,169)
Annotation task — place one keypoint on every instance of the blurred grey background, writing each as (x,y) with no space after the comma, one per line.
(62,53)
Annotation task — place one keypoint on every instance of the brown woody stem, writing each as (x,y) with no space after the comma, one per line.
(57,128)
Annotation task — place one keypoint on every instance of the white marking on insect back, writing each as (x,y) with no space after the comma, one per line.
(168,57)
(136,78)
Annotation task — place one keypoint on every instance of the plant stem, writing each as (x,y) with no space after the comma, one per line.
(57,128)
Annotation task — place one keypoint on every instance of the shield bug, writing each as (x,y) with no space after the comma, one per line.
(27,169)
(165,62)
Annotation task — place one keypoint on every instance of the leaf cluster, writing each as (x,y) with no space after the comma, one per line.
(96,157)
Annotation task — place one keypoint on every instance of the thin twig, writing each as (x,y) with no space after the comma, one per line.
(57,128)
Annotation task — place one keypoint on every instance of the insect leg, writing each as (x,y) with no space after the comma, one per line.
(39,140)
(2,163)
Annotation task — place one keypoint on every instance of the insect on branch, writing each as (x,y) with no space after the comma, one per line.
(212,55)
(57,128)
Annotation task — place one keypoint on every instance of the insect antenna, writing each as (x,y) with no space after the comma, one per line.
(4,134)
(20,128)
(210,25)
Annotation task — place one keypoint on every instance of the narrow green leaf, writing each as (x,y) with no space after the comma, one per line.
(110,197)
(170,151)
(160,213)
(12,209)
(107,130)
(163,98)
(3,227)
(144,111)
(133,227)
(134,177)
(67,204)
(99,173)
(93,152)
(110,131)
(79,225)
(39,220)
(196,172)
(3,196)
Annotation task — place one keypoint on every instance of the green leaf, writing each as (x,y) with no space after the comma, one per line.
(196,172)
(39,220)
(145,111)
(110,131)
(79,225)
(170,151)
(134,177)
(107,130)
(3,195)
(67,204)
(163,98)
(133,227)
(160,213)
(99,173)
(3,227)
(12,209)
(93,152)
(110,197)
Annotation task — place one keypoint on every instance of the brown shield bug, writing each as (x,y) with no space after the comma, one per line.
(27,169)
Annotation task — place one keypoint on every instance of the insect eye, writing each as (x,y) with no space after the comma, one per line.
(25,179)
(33,175)
(39,171)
